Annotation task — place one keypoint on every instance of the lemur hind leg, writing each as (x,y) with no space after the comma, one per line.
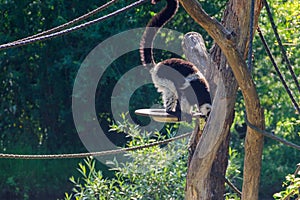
(180,114)
(177,112)
(171,102)
(169,99)
(173,106)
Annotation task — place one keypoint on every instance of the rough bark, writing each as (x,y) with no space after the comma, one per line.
(232,38)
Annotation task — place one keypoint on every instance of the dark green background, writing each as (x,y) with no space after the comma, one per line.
(37,80)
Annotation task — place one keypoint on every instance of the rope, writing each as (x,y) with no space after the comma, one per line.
(75,28)
(277,70)
(289,66)
(233,187)
(250,65)
(70,23)
(100,153)
(270,135)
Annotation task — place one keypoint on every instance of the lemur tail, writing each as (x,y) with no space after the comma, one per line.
(153,26)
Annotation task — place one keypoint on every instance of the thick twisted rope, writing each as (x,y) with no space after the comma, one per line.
(272,136)
(250,64)
(70,23)
(288,63)
(278,71)
(69,30)
(95,154)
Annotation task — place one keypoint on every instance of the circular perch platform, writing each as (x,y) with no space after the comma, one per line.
(160,115)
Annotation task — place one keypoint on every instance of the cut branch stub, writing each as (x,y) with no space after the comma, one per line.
(195,50)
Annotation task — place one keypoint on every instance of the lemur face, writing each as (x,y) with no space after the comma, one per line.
(205,109)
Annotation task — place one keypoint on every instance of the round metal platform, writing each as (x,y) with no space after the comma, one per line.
(160,115)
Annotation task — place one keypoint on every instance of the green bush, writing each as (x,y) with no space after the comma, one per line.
(37,80)
(291,187)
(157,172)
(153,173)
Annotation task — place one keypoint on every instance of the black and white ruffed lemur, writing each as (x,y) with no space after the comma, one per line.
(181,83)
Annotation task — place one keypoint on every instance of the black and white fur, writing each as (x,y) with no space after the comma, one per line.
(181,83)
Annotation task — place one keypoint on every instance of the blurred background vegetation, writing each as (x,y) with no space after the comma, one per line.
(37,81)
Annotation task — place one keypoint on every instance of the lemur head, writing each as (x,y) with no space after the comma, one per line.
(205,109)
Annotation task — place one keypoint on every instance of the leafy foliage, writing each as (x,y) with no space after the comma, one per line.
(280,115)
(37,80)
(292,186)
(36,87)
(152,173)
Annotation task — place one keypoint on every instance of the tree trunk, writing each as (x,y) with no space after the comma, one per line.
(198,55)
(232,38)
